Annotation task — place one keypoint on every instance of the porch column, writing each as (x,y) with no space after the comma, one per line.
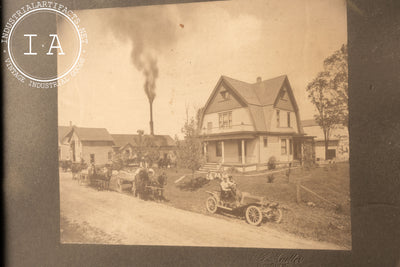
(205,150)
(223,151)
(243,153)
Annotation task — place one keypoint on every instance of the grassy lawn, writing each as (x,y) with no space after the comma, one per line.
(318,220)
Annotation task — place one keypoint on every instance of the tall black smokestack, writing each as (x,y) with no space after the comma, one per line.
(151,119)
(150,71)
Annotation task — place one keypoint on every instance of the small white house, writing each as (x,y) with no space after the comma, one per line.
(338,145)
(92,145)
(63,146)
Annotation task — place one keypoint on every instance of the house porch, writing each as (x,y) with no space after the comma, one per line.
(252,152)
(236,150)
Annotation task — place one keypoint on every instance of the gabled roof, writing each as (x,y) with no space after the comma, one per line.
(259,97)
(162,140)
(122,140)
(62,132)
(91,134)
(262,94)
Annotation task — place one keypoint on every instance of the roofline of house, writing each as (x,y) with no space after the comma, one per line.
(243,102)
(73,130)
(213,92)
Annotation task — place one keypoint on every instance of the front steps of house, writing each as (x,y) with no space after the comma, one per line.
(213,167)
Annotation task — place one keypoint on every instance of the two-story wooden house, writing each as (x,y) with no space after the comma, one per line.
(245,124)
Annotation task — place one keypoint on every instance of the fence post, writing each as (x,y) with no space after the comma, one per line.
(298,197)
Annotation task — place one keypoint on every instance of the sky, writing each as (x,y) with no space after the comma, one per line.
(193,45)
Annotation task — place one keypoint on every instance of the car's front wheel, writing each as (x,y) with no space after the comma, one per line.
(254,215)
(211,205)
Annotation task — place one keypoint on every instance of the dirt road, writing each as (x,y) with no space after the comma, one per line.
(91,216)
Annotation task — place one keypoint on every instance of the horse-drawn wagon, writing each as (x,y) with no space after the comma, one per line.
(93,176)
(142,183)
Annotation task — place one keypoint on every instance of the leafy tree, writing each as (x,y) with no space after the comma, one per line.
(199,113)
(324,100)
(189,152)
(336,67)
(151,150)
(329,93)
(147,148)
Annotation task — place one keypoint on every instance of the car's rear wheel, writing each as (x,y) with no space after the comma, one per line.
(254,215)
(211,205)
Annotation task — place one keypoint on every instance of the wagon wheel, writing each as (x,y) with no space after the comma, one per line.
(276,215)
(211,205)
(253,215)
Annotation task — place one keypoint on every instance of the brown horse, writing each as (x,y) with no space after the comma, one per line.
(141,181)
(161,181)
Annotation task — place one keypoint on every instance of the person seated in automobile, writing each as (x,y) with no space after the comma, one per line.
(236,194)
(226,189)
(232,183)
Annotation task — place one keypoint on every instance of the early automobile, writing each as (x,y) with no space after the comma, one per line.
(253,208)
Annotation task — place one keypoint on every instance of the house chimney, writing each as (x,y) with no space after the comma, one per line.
(259,79)
(70,123)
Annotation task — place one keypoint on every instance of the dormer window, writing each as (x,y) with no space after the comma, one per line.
(225,95)
(283,94)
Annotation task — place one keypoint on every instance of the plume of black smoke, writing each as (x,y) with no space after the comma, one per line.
(150,71)
(151,30)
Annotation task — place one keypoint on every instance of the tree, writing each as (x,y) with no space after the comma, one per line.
(322,96)
(336,66)
(199,114)
(189,150)
(329,93)
(147,148)
(151,150)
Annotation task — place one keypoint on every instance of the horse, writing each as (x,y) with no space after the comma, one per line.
(141,181)
(65,165)
(100,177)
(76,168)
(164,162)
(161,182)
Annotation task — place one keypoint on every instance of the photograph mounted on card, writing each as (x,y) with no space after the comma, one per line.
(216,124)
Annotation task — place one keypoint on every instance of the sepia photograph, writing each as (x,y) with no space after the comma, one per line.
(210,124)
